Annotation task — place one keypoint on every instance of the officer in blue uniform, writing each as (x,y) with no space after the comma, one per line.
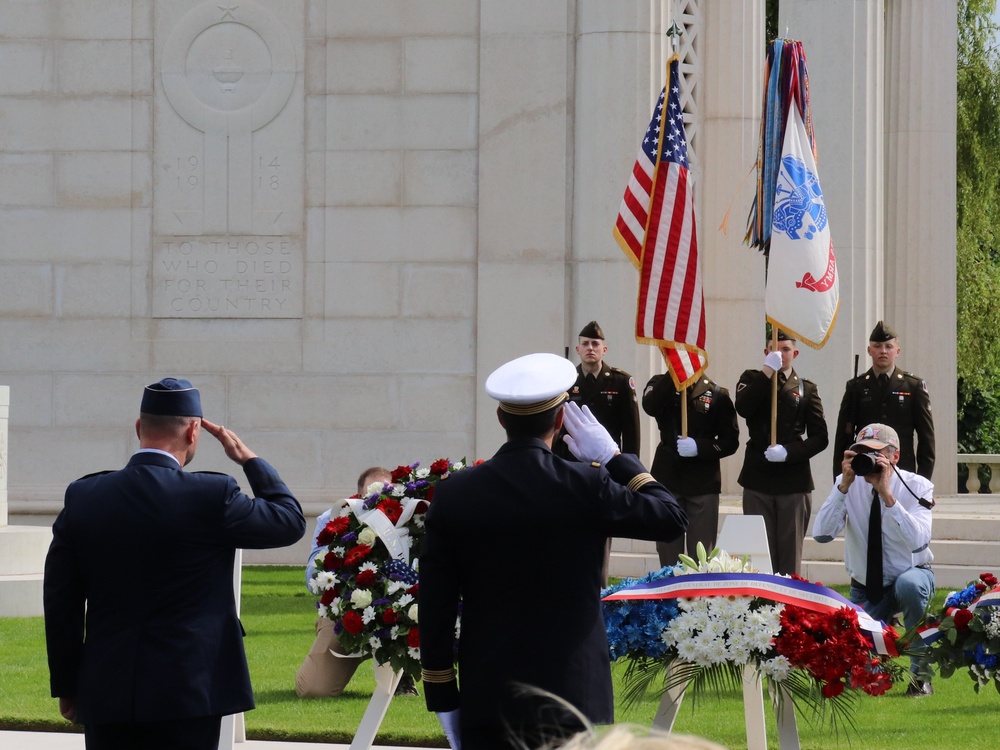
(548,518)
(144,645)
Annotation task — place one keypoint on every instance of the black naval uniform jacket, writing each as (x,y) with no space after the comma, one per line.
(611,397)
(140,620)
(903,404)
(801,430)
(520,540)
(711,423)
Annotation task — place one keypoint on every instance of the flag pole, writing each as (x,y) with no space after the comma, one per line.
(684,411)
(774,389)
(674,32)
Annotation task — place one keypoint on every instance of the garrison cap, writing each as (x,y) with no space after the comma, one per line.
(531,384)
(171,397)
(592,331)
(782,335)
(876,436)
(883,332)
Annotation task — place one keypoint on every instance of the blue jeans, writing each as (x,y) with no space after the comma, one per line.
(908,594)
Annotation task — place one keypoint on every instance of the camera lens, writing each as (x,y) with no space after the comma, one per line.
(864,464)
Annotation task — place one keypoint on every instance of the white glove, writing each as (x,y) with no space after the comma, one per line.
(587,438)
(775,453)
(687,447)
(773,360)
(449,723)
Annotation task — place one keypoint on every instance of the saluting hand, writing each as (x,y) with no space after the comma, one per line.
(587,438)
(231,443)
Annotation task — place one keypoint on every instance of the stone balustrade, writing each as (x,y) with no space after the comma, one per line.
(978,473)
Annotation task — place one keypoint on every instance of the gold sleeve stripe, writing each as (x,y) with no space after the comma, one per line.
(640,480)
(438,675)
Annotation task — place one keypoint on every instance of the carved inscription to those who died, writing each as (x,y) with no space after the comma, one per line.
(227,277)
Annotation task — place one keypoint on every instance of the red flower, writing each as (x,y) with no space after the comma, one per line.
(356,554)
(429,495)
(353,622)
(332,561)
(962,619)
(980,587)
(479,461)
(401,473)
(333,527)
(440,467)
(366,578)
(989,579)
(328,596)
(833,689)
(413,589)
(389,617)
(392,508)
(413,638)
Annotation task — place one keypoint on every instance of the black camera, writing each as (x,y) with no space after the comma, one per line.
(864,464)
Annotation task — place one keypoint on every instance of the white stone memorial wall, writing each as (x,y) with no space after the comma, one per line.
(338,217)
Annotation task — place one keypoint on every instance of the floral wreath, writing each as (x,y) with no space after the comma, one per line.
(365,578)
(819,659)
(965,634)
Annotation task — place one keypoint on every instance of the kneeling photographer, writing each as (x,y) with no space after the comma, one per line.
(886,520)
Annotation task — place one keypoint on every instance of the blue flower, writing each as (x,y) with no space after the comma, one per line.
(989,661)
(962,598)
(634,627)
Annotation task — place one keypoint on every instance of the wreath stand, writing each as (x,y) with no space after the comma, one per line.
(386,680)
(743,535)
(233,727)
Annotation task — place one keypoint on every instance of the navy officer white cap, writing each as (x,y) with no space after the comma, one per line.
(531,384)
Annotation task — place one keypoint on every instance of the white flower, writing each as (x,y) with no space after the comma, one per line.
(776,668)
(457,466)
(395,586)
(398,490)
(375,488)
(337,605)
(992,628)
(340,551)
(369,566)
(412,613)
(374,643)
(361,598)
(322,611)
(345,510)
(414,653)
(325,579)
(423,472)
(404,600)
(367,536)
(368,615)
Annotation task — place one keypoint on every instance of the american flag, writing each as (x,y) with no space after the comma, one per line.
(656,231)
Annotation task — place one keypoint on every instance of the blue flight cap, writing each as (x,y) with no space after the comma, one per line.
(171,397)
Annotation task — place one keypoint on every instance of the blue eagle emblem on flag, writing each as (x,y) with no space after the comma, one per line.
(796,196)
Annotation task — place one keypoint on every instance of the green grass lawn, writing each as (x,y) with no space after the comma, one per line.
(278,617)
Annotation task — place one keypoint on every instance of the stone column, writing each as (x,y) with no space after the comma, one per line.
(525,176)
(22,548)
(4,415)
(733,56)
(920,295)
(843,41)
(620,66)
